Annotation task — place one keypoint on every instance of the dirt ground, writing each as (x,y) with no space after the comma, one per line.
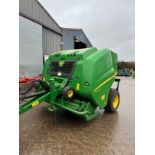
(57,133)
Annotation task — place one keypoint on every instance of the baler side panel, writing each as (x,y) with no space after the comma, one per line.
(100,95)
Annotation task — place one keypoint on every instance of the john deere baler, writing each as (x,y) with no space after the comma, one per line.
(78,81)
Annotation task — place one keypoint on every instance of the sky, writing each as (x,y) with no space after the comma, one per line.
(107,23)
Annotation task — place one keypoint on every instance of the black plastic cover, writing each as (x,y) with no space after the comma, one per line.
(62,70)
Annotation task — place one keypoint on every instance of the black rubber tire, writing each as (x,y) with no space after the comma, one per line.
(65,91)
(110,108)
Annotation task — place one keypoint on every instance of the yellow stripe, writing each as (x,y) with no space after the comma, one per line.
(105,82)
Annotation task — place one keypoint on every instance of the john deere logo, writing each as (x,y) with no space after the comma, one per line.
(61,63)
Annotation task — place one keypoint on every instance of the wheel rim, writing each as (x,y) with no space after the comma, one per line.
(116,101)
(70,93)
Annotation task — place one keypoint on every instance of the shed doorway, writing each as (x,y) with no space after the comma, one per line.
(79,44)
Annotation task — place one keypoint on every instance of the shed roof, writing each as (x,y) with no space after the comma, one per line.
(34,10)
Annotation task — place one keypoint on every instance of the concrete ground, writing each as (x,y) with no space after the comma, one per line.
(57,133)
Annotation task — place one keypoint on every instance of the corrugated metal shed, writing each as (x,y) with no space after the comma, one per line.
(51,31)
(68,35)
(33,10)
(51,42)
(50,37)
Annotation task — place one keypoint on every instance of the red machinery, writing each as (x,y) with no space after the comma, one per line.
(25,80)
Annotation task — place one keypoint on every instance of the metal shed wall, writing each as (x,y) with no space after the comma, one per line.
(68,38)
(30,48)
(51,42)
(33,10)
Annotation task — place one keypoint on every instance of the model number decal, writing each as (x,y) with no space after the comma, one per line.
(35,103)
